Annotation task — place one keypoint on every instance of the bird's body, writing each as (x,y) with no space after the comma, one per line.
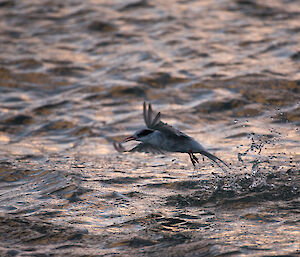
(173,143)
(159,137)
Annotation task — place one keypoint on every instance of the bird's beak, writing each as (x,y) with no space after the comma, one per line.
(129,139)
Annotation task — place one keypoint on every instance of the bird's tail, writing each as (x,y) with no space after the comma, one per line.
(216,160)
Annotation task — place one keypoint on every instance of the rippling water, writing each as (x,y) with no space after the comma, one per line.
(74,75)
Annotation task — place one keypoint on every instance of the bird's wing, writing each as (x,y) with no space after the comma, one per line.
(146,148)
(119,147)
(153,122)
(142,147)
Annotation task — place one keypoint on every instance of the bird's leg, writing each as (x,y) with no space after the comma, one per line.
(195,158)
(192,159)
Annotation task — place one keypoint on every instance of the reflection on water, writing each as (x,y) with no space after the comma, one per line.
(73,78)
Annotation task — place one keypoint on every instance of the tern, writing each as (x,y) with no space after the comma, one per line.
(159,137)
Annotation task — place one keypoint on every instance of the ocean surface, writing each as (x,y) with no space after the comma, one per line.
(73,78)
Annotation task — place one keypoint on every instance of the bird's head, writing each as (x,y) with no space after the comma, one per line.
(140,135)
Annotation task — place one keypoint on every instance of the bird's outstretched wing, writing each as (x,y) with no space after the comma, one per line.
(146,148)
(142,147)
(153,122)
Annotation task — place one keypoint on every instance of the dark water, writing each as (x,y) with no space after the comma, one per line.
(73,77)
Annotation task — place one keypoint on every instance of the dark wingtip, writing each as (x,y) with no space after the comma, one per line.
(119,147)
(149,107)
(156,119)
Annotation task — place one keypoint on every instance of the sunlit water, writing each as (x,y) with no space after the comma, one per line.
(74,75)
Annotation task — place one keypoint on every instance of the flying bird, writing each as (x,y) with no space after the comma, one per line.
(159,137)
